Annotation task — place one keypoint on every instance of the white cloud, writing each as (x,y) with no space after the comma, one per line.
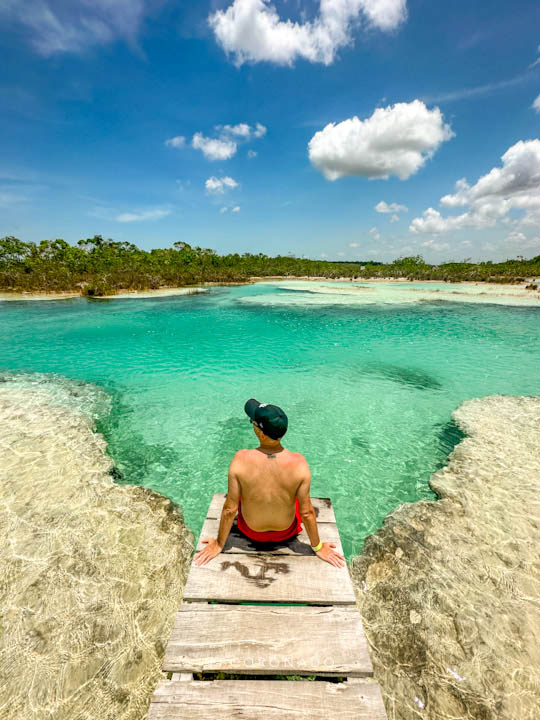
(58,27)
(213,148)
(354,245)
(515,237)
(236,209)
(251,154)
(225,145)
(375,234)
(252,31)
(537,61)
(435,245)
(394,218)
(218,186)
(395,140)
(522,242)
(142,215)
(513,186)
(243,130)
(341,254)
(536,104)
(383,207)
(223,209)
(177,142)
(259,131)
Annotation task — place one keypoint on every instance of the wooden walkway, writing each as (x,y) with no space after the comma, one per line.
(268,610)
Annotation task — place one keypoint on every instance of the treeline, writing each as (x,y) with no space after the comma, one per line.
(96,266)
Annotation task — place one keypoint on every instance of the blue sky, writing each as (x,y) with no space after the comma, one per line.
(319,113)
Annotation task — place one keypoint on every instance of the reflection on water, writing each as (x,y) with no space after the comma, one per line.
(91,573)
(449,589)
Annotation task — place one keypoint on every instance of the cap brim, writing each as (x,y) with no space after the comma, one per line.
(250,407)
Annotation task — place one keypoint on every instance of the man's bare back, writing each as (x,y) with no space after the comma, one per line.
(269,483)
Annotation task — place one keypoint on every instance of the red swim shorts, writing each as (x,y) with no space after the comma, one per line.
(270,535)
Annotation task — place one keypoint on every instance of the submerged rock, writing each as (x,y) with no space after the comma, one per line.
(449,590)
(91,573)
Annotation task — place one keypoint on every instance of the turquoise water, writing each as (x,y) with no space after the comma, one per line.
(368,388)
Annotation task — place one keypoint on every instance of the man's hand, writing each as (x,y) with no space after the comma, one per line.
(210,551)
(331,556)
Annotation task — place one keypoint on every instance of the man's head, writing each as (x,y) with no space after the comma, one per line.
(270,419)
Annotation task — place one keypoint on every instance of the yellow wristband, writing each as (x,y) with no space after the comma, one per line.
(317,547)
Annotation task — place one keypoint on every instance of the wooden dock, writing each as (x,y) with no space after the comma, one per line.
(268,610)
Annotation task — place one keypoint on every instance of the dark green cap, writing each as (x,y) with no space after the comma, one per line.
(269,418)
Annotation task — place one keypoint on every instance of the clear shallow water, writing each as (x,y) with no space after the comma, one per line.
(369,387)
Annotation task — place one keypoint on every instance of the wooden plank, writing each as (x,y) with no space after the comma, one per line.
(269,578)
(266,700)
(322,506)
(238,543)
(270,640)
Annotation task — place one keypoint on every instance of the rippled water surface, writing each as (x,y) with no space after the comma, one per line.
(369,385)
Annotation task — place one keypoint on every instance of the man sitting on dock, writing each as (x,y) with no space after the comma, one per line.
(269,488)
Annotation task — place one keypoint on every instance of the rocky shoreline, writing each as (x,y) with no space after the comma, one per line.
(449,590)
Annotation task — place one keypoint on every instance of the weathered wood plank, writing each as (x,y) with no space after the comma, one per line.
(271,640)
(322,506)
(269,578)
(266,700)
(300,545)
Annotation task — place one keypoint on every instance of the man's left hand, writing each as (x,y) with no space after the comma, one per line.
(210,551)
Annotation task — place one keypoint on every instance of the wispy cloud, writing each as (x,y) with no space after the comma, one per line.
(142,215)
(479,90)
(176,142)
(72,27)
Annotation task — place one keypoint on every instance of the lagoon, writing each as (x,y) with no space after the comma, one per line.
(369,375)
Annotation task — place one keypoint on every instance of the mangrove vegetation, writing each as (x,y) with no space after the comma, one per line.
(97,267)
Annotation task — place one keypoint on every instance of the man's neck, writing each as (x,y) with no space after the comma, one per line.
(271,450)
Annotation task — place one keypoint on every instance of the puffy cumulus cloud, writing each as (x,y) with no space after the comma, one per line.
(218,186)
(176,142)
(513,186)
(395,140)
(142,215)
(58,26)
(536,104)
(214,148)
(252,31)
(236,209)
(394,208)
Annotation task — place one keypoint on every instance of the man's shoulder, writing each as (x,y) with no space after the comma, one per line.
(297,458)
(243,455)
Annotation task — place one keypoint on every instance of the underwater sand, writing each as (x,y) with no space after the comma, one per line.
(91,573)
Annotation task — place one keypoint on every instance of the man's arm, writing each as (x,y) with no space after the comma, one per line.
(230,507)
(309,519)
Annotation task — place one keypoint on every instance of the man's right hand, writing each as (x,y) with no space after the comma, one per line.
(330,556)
